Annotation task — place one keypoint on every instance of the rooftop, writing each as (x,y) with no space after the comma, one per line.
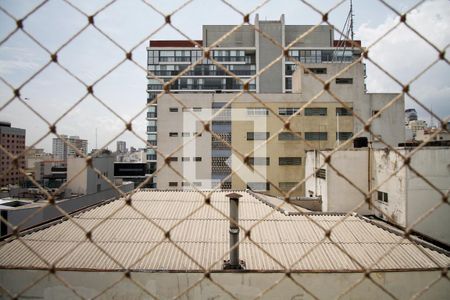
(134,237)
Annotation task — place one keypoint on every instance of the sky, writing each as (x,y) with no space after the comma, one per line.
(131,23)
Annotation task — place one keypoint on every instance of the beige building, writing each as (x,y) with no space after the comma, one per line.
(270,132)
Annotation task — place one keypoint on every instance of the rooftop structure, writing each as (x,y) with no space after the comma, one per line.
(178,234)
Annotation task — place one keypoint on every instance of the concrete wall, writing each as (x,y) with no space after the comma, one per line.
(410,197)
(403,285)
(386,163)
(338,194)
(321,36)
(272,80)
(243,37)
(434,165)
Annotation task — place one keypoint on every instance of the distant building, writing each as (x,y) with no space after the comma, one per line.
(61,151)
(12,140)
(433,134)
(410,115)
(121,147)
(90,181)
(135,172)
(403,196)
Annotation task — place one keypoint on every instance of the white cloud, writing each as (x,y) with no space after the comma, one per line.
(405,55)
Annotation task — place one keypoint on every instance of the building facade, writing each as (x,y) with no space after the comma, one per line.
(61,151)
(399,195)
(318,120)
(12,140)
(244,53)
(121,147)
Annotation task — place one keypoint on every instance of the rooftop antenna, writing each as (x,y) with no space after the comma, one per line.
(351,21)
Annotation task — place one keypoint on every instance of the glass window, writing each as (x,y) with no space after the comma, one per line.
(289,136)
(315,111)
(258,186)
(254,136)
(342,111)
(343,136)
(316,136)
(289,161)
(288,111)
(259,161)
(257,111)
(344,80)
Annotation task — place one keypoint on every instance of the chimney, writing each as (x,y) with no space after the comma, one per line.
(234,263)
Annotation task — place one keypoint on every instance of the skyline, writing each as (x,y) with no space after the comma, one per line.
(53,91)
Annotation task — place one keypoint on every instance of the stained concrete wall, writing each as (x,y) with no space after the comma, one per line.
(341,190)
(403,285)
(410,196)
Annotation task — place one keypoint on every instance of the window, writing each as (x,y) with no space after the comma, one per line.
(259,161)
(258,186)
(151,156)
(287,111)
(289,161)
(173,183)
(343,136)
(289,136)
(344,80)
(197,134)
(257,111)
(173,134)
(315,111)
(197,183)
(173,158)
(342,111)
(197,109)
(257,136)
(382,196)
(173,109)
(316,136)
(287,186)
(184,183)
(197,158)
(316,70)
(185,159)
(321,173)
(185,134)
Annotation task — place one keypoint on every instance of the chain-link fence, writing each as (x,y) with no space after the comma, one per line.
(126,199)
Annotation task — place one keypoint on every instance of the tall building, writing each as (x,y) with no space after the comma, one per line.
(247,52)
(61,151)
(121,147)
(12,140)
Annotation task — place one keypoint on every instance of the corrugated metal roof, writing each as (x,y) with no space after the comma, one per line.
(123,238)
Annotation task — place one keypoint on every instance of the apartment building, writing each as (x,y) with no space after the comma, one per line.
(61,151)
(206,88)
(245,53)
(12,140)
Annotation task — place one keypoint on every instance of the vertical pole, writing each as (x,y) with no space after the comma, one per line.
(234,231)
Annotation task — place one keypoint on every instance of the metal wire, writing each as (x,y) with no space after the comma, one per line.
(127,275)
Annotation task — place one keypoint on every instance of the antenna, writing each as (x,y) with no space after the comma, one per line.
(351,21)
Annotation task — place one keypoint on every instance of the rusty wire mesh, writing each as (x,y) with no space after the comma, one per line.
(126,198)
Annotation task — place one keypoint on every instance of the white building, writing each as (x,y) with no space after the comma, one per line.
(61,151)
(82,180)
(400,196)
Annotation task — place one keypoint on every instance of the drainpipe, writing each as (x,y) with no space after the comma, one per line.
(234,261)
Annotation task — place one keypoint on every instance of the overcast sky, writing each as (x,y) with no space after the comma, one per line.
(402,53)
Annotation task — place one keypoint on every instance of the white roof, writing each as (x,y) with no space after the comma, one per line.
(133,237)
